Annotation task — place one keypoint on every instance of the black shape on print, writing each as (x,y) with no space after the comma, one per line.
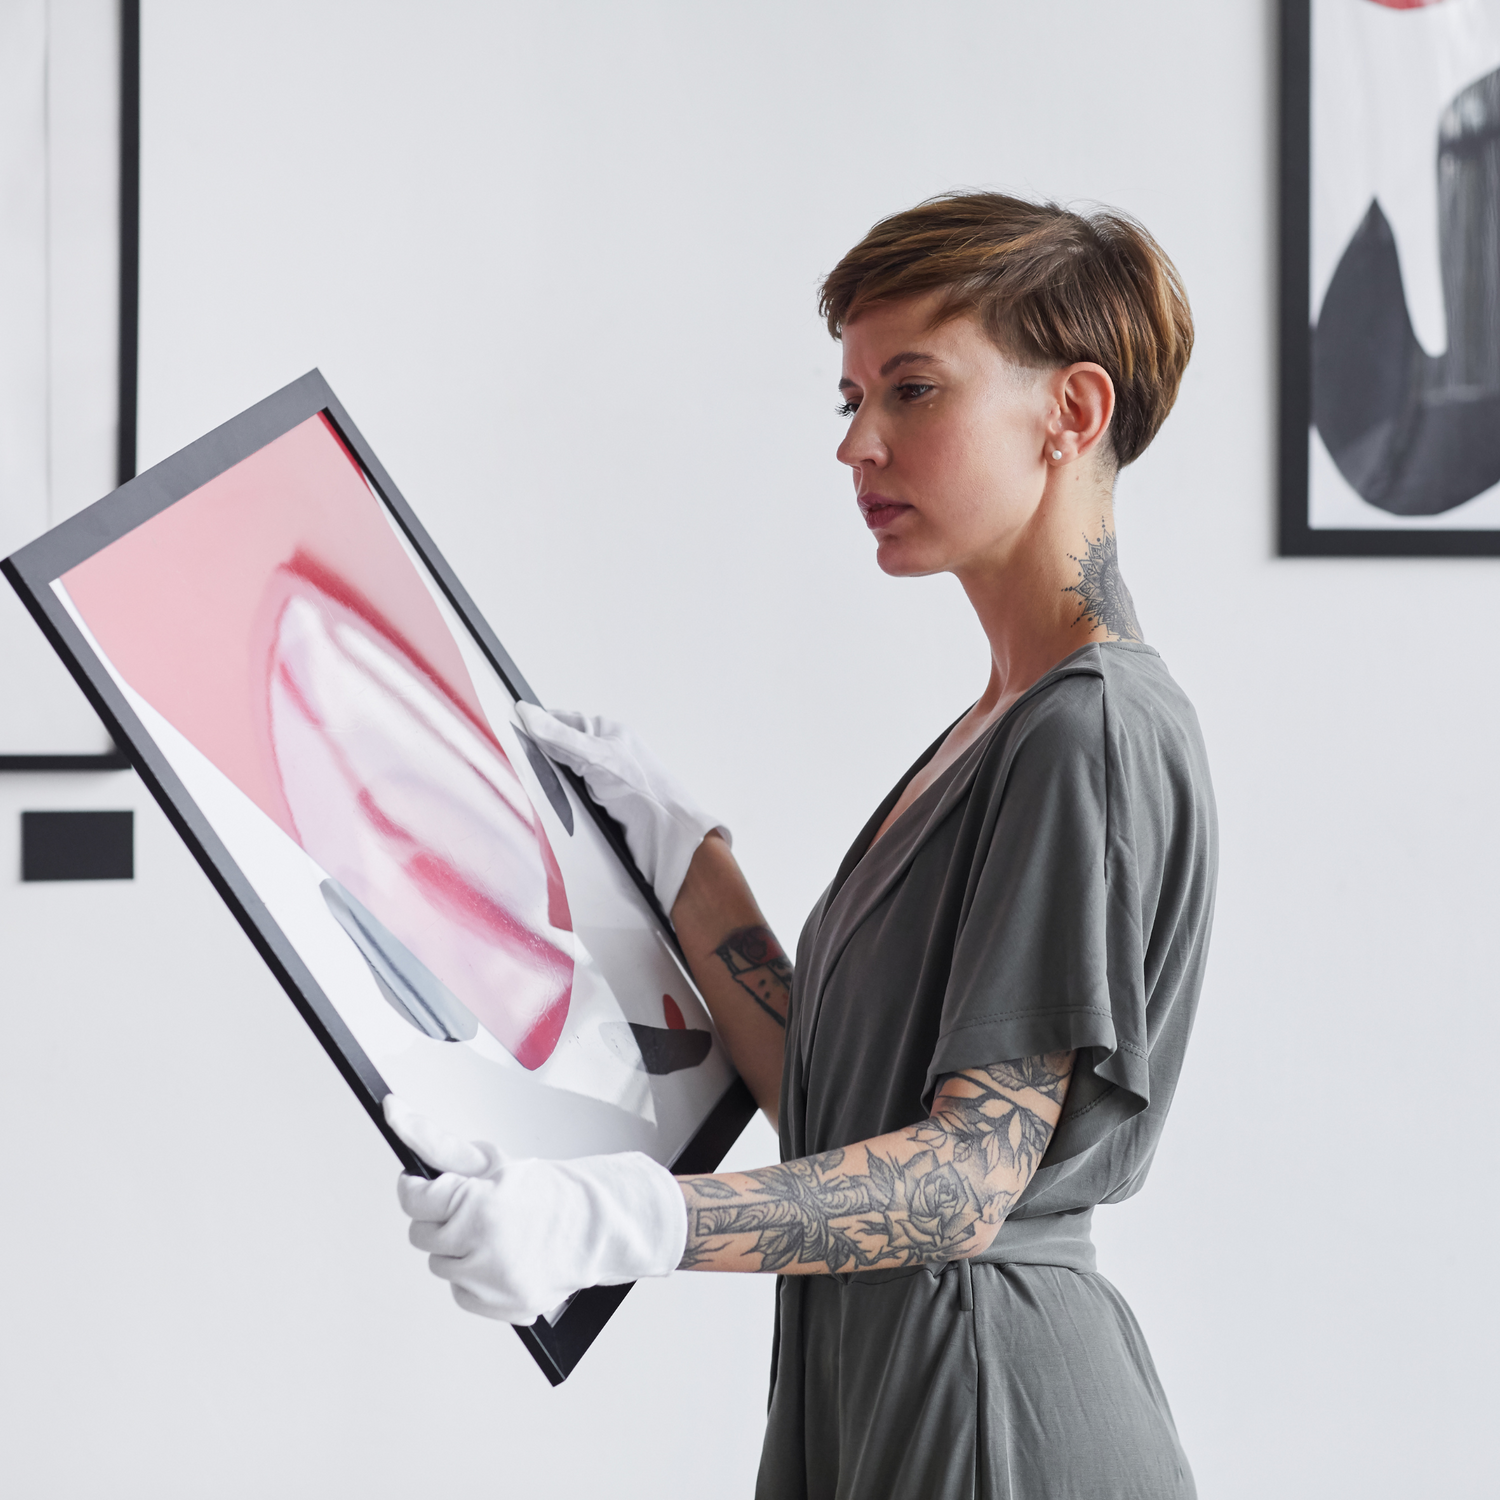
(1418,434)
(546,773)
(412,990)
(668,1050)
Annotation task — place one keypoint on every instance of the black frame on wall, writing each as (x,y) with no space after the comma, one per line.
(1296,538)
(558,1347)
(130,234)
(129,335)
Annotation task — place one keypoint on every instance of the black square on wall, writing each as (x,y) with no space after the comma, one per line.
(77,846)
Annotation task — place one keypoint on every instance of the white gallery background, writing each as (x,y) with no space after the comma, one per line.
(560,263)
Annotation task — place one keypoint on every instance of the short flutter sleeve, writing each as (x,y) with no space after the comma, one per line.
(1049,954)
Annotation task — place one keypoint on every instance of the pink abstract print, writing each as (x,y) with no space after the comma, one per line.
(275,620)
(416,811)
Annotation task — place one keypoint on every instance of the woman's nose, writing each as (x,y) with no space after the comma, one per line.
(863,444)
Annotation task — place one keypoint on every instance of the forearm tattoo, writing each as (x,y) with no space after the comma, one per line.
(933,1192)
(1101,588)
(757,964)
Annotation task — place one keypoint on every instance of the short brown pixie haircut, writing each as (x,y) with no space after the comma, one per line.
(1051,287)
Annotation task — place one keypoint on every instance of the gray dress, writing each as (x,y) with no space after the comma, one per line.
(1051,890)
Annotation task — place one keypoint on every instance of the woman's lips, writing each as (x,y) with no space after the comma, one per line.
(880,510)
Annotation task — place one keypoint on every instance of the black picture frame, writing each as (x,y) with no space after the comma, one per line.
(128,346)
(1295,536)
(557,1348)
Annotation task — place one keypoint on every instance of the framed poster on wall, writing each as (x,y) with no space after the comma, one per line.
(69,292)
(331,726)
(1390,278)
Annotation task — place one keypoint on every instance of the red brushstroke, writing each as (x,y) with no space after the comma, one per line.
(447,890)
(323,578)
(537,1045)
(185,605)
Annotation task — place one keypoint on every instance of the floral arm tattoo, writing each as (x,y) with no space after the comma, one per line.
(933,1192)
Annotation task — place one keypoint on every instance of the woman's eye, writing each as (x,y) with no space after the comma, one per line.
(847,409)
(911,390)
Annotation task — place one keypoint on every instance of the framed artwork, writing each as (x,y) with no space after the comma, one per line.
(69,249)
(330,725)
(1390,278)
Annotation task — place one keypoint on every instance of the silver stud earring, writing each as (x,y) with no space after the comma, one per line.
(1056,456)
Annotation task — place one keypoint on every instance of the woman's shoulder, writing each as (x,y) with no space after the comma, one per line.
(1121,680)
(1107,695)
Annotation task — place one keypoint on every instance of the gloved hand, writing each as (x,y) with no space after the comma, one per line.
(517,1238)
(663,826)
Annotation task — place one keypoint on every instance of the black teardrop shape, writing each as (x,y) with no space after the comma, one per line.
(665,1051)
(546,773)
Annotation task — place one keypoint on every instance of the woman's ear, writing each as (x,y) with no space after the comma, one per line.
(1084,398)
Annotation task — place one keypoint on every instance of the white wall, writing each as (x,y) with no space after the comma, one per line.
(560,262)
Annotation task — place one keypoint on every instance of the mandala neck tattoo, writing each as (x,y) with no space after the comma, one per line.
(1105,601)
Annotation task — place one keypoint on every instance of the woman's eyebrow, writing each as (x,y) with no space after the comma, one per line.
(908,357)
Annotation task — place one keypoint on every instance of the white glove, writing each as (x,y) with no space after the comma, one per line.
(518,1238)
(663,826)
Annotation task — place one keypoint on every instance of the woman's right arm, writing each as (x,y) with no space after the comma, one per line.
(741,971)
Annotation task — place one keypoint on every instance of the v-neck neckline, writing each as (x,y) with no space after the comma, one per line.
(870,870)
(867,842)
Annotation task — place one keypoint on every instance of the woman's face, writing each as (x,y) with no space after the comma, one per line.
(948,439)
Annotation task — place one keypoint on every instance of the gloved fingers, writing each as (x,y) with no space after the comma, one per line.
(472,1304)
(430,1202)
(436,1146)
(479,1294)
(502,1310)
(506,1304)
(582,722)
(453,1238)
(566,736)
(458,1269)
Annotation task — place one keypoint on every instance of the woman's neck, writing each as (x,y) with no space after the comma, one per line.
(1058,588)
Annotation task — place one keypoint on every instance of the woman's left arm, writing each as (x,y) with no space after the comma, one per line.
(515,1238)
(932,1192)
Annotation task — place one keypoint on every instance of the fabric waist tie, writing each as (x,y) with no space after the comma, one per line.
(1047,1240)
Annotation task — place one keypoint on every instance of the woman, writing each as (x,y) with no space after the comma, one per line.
(991,1000)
